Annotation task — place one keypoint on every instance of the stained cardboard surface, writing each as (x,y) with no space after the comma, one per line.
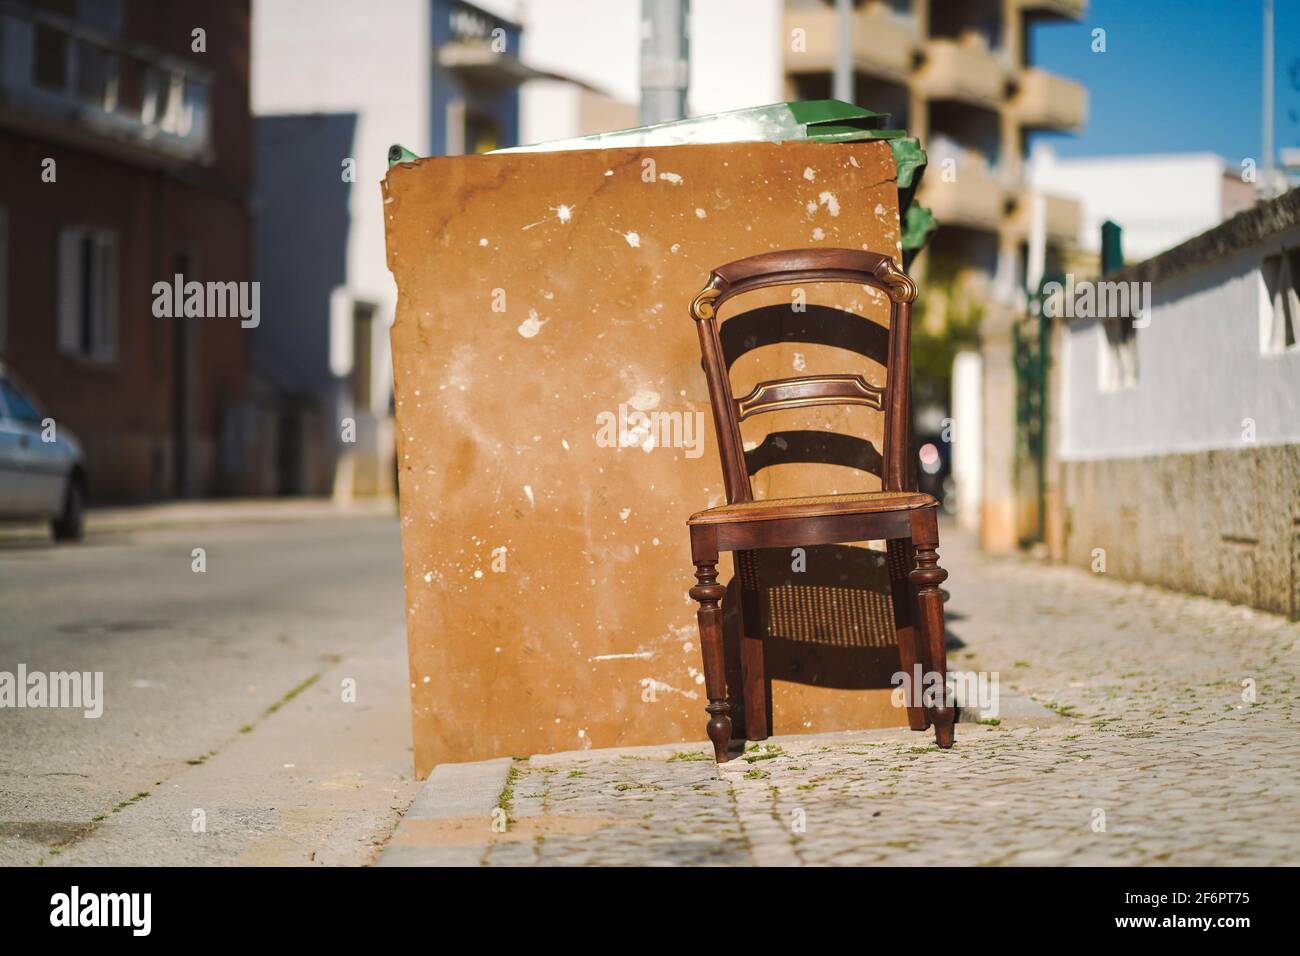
(542,304)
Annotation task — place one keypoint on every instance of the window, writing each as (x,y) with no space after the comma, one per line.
(50,59)
(105,15)
(1119,359)
(482,135)
(96,71)
(161,97)
(174,102)
(19,406)
(88,294)
(363,321)
(1280,303)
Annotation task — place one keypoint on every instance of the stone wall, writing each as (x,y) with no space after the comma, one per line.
(1225,523)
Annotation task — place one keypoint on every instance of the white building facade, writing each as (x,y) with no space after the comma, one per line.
(1186,472)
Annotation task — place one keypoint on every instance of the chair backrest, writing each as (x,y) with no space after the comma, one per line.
(792,267)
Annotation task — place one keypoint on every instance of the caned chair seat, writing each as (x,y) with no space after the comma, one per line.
(860,503)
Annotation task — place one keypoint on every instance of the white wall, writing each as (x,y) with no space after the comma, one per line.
(598,43)
(363,57)
(736,54)
(1159,201)
(1200,371)
(736,57)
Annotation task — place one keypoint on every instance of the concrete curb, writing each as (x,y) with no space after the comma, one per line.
(450,821)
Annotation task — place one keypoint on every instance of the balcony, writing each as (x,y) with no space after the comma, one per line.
(1048,101)
(975,198)
(964,72)
(60,78)
(884,45)
(1062,218)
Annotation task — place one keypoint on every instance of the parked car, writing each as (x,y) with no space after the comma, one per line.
(42,471)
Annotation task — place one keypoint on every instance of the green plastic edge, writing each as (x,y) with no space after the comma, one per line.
(397,153)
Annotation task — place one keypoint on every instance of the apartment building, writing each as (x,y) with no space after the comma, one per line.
(125,158)
(960,75)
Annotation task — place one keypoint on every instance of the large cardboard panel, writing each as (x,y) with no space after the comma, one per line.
(542,303)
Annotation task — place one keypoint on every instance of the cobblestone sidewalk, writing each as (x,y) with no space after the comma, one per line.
(1150,751)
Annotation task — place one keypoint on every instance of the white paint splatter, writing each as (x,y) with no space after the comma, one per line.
(700,213)
(633,239)
(661,688)
(483,241)
(644,399)
(809,174)
(530,326)
(638,656)
(818,234)
(528,492)
(828,200)
(625,514)
(673,178)
(563,213)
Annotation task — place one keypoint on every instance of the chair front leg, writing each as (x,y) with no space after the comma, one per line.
(927,576)
(910,653)
(708,592)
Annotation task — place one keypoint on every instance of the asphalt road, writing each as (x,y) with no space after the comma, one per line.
(228,734)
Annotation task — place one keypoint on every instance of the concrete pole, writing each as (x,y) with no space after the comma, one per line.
(842,88)
(1036,261)
(1266,185)
(665,60)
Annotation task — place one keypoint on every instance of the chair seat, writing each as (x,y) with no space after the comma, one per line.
(867,502)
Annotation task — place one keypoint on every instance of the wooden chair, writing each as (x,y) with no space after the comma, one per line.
(898,514)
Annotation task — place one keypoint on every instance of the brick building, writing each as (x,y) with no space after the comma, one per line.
(125,158)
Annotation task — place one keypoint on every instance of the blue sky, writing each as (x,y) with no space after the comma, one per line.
(1177,76)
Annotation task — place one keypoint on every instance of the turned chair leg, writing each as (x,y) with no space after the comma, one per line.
(708,592)
(926,577)
(909,652)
